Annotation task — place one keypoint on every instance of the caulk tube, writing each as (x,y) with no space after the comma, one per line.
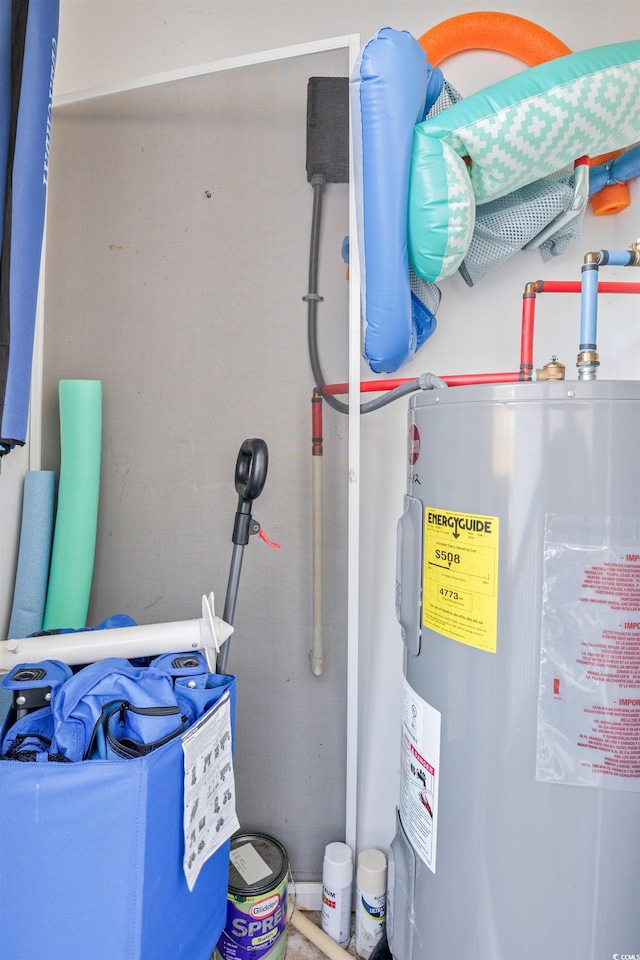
(371,901)
(337,882)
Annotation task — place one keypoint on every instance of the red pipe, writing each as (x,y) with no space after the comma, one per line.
(526,337)
(316,425)
(575,286)
(465,379)
(366,386)
(457,380)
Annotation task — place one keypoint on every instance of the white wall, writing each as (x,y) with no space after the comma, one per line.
(109,41)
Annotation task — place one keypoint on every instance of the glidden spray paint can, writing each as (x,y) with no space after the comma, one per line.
(257,900)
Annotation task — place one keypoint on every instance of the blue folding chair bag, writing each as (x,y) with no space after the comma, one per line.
(91,861)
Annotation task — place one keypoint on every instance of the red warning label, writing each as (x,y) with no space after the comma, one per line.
(414,444)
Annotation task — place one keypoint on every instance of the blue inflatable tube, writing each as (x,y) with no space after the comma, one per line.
(5,102)
(36,534)
(619,170)
(392,88)
(28,46)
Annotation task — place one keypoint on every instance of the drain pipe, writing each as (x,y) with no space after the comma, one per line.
(317,652)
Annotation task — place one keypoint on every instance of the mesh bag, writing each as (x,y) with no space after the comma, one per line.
(447,97)
(505,225)
(427,293)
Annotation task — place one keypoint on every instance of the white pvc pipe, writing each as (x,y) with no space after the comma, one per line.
(86,646)
(317,653)
(318,937)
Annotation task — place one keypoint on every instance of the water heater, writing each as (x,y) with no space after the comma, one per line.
(518,596)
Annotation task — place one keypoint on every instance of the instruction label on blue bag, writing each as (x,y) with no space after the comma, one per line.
(209,788)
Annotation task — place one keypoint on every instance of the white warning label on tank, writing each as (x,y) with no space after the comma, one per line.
(589,697)
(420,774)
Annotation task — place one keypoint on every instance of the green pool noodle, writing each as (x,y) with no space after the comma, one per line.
(74,538)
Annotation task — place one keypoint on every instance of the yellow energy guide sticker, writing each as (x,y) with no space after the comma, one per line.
(460,577)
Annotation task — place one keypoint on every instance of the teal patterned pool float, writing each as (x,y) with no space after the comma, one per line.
(515,132)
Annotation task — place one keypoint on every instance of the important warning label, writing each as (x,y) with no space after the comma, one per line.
(420,774)
(589,700)
(460,577)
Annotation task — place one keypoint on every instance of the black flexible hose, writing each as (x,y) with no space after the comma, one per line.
(318,183)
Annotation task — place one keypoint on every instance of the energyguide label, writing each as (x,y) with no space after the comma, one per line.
(460,576)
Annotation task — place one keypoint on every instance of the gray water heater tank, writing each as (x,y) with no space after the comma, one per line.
(518,596)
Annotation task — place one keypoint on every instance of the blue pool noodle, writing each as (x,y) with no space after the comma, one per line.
(34,553)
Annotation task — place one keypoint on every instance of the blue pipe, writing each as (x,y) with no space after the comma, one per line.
(589,300)
(617,258)
(589,306)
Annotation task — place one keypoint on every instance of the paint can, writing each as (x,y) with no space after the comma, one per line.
(257,900)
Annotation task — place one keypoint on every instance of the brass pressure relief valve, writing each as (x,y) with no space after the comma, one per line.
(553,370)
